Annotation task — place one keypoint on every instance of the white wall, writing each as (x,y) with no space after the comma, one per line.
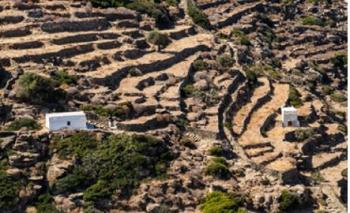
(56,123)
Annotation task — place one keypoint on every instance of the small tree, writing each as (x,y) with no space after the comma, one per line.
(158,39)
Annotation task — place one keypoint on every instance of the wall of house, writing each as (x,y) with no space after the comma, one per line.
(76,122)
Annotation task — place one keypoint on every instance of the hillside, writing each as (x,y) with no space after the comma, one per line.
(196,90)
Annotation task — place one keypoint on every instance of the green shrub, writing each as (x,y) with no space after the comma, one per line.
(154,10)
(327,90)
(149,7)
(220,160)
(245,41)
(344,173)
(288,201)
(294,97)
(339,60)
(187,142)
(199,64)
(189,90)
(79,179)
(9,189)
(122,110)
(311,20)
(109,3)
(338,97)
(62,77)
(342,128)
(157,38)
(197,15)
(225,61)
(37,89)
(252,77)
(117,163)
(216,151)
(44,204)
(220,202)
(242,38)
(317,177)
(303,134)
(218,168)
(19,123)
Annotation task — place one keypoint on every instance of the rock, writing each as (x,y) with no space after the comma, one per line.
(14,172)
(57,168)
(202,85)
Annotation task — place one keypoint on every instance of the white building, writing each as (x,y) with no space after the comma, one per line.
(289,117)
(69,120)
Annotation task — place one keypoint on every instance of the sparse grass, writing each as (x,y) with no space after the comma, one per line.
(312,20)
(338,97)
(20,123)
(122,110)
(220,202)
(342,128)
(317,177)
(242,38)
(225,61)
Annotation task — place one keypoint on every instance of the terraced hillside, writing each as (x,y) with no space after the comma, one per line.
(195,89)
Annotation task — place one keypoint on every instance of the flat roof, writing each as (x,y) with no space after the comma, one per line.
(289,109)
(65,114)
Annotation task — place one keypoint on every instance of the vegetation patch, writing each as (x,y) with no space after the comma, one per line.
(338,97)
(303,134)
(216,151)
(225,61)
(220,202)
(188,142)
(159,39)
(197,15)
(36,89)
(122,110)
(44,204)
(242,38)
(62,77)
(210,97)
(312,20)
(113,166)
(288,201)
(340,60)
(20,123)
(152,8)
(199,65)
(218,168)
(294,97)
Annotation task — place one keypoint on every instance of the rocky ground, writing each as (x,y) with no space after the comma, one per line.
(208,93)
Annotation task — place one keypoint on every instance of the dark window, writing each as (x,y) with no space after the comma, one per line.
(68,123)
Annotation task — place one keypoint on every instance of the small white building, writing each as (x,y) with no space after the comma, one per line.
(68,120)
(290,117)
